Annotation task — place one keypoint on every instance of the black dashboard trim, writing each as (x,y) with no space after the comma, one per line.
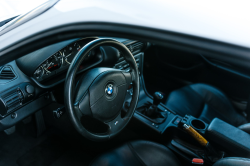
(36,58)
(7,81)
(61,81)
(68,42)
(25,111)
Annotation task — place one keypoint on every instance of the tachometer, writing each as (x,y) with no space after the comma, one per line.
(54,62)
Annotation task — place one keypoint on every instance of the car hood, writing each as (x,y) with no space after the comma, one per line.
(211,19)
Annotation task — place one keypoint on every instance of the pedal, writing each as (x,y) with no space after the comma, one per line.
(27,120)
(40,124)
(10,130)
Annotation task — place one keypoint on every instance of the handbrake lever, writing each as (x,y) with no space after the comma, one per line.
(199,138)
(212,154)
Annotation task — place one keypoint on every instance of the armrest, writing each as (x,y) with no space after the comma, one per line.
(230,138)
(245,127)
(232,161)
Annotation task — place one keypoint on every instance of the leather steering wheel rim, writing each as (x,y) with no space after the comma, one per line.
(69,90)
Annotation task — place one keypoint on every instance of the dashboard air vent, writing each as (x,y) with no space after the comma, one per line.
(7,73)
(135,46)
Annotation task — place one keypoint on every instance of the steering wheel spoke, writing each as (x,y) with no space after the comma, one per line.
(128,76)
(83,105)
(116,124)
(79,114)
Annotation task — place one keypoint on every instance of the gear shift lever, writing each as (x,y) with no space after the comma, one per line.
(158,96)
(152,112)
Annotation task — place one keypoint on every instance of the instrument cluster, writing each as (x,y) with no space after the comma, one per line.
(58,62)
(52,63)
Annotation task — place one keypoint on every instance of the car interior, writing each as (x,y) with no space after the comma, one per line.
(116,101)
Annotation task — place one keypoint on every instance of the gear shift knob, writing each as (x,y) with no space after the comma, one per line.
(158,96)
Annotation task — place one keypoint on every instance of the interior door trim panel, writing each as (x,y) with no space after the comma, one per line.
(227,69)
(184,69)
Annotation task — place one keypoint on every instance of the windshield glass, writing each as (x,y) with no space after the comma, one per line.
(11,8)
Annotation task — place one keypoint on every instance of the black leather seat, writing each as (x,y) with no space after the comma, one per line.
(138,153)
(204,102)
(146,153)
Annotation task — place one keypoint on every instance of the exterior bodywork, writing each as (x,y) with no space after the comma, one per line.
(196,18)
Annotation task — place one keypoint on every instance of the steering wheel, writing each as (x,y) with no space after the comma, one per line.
(100,92)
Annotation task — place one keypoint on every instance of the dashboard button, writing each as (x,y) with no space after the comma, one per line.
(177,121)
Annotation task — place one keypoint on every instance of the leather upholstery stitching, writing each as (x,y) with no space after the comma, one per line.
(208,103)
(164,148)
(204,102)
(135,154)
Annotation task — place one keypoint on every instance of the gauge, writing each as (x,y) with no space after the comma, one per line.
(77,46)
(70,51)
(58,57)
(45,66)
(54,62)
(39,72)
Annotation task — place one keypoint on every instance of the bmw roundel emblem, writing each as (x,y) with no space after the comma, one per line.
(109,89)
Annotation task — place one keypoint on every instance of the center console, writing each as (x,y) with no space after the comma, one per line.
(233,140)
(221,139)
(149,110)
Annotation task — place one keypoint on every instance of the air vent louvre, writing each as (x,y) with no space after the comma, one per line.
(135,46)
(7,73)
(11,99)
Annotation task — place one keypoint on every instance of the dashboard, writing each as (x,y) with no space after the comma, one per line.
(61,60)
(35,75)
(55,59)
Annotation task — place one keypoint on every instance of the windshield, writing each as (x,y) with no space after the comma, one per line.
(12,8)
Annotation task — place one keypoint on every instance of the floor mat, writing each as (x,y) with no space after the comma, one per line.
(54,147)
(72,158)
(15,145)
(45,153)
(57,151)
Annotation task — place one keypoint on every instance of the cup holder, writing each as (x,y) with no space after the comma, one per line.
(198,124)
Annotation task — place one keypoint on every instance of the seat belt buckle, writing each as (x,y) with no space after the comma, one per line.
(198,161)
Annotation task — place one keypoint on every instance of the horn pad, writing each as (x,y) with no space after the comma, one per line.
(107,94)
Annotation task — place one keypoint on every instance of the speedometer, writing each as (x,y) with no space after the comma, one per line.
(70,51)
(54,62)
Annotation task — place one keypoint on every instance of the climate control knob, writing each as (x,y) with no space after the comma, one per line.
(30,89)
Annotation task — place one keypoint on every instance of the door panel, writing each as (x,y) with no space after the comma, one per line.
(172,64)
